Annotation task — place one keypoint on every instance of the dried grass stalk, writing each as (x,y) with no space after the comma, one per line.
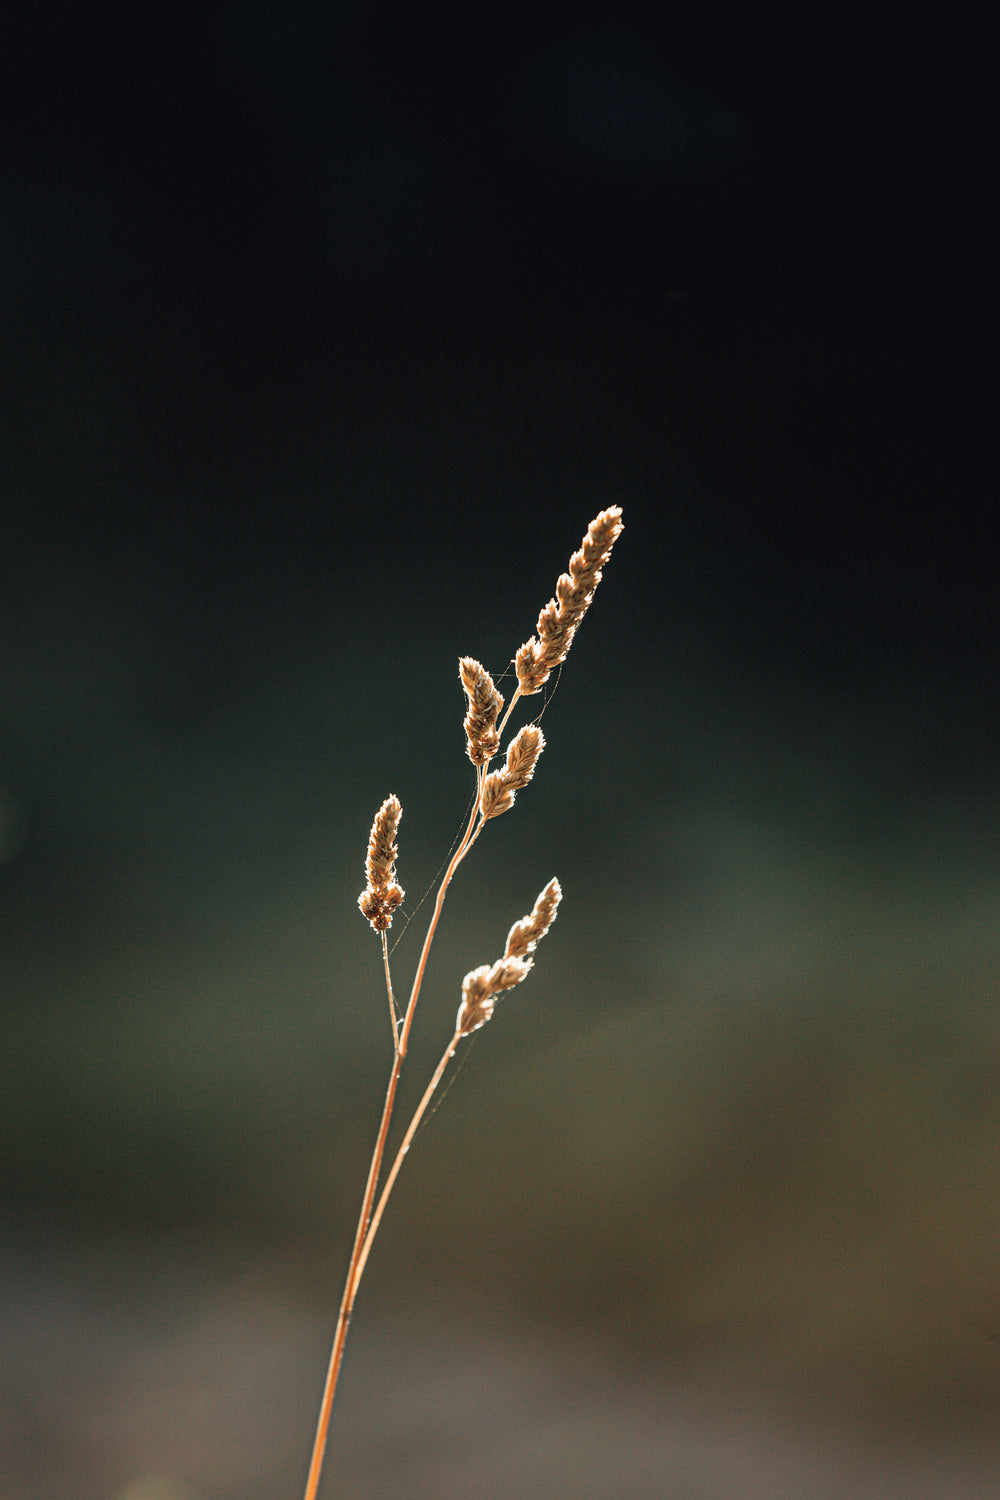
(557,624)
(560,619)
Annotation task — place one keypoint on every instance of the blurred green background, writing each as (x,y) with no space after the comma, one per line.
(325,335)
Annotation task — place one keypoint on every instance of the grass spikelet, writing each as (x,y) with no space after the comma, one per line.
(382,895)
(482,740)
(524,937)
(500,787)
(480,988)
(560,619)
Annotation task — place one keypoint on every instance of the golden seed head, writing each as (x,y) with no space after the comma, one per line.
(522,755)
(480,988)
(560,618)
(499,787)
(531,673)
(525,935)
(481,738)
(382,895)
(378,906)
(496,797)
(382,849)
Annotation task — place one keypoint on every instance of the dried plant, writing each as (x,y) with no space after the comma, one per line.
(557,625)
(560,619)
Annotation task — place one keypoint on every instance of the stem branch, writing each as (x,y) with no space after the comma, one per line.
(405,1144)
(367,1222)
(351,1286)
(393,1018)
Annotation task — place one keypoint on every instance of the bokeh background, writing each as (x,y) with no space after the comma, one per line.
(326,330)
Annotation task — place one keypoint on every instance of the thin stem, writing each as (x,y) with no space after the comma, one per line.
(456,860)
(351,1286)
(357,1261)
(367,1224)
(467,840)
(393,1018)
(510,708)
(405,1144)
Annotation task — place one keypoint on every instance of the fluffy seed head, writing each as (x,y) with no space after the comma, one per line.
(481,738)
(382,895)
(559,620)
(524,937)
(480,988)
(378,906)
(382,849)
(499,787)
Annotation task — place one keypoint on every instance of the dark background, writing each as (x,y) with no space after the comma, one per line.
(326,330)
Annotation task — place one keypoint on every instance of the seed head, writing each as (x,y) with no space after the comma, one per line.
(499,787)
(524,936)
(481,738)
(382,895)
(481,986)
(560,619)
